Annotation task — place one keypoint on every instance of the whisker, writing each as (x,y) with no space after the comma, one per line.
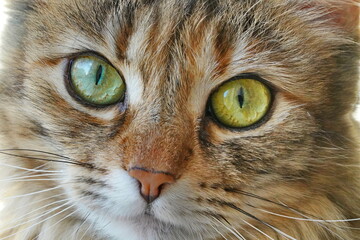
(28,169)
(257,229)
(222,235)
(309,219)
(303,215)
(31,176)
(33,193)
(87,230)
(36,218)
(27,172)
(40,221)
(319,222)
(87,165)
(230,229)
(33,211)
(82,224)
(266,200)
(251,234)
(67,216)
(257,219)
(236,231)
(38,179)
(38,201)
(33,150)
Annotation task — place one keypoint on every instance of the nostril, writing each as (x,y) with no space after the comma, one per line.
(150,182)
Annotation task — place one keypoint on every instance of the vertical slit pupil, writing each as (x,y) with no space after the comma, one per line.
(241,97)
(99,73)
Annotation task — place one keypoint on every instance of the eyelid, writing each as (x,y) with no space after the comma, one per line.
(93,54)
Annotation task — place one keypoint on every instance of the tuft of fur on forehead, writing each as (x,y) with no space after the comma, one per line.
(281,179)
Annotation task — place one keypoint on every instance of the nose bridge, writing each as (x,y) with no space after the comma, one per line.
(161,131)
(164,148)
(158,156)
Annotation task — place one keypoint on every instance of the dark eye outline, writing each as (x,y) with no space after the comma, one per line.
(211,115)
(70,88)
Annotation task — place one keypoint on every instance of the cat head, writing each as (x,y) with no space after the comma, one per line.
(157,145)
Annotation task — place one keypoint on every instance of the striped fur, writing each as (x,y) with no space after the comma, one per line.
(279,180)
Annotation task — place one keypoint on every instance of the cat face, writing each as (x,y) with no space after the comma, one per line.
(155,157)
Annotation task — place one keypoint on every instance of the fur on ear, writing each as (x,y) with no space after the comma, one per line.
(343,13)
(347,15)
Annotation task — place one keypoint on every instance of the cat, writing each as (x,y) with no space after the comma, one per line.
(179,120)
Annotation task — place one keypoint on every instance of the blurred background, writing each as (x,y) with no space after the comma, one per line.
(2,17)
(2,22)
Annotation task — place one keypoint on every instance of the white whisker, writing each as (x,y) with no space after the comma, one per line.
(43,207)
(31,176)
(231,229)
(28,169)
(35,151)
(36,218)
(39,201)
(82,224)
(279,231)
(218,232)
(67,216)
(33,193)
(319,222)
(257,229)
(25,172)
(87,230)
(37,179)
(40,221)
(309,219)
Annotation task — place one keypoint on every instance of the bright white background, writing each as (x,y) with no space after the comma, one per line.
(2,21)
(2,16)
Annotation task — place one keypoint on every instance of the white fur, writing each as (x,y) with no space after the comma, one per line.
(123,215)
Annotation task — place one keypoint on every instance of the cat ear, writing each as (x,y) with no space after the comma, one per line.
(343,13)
(346,15)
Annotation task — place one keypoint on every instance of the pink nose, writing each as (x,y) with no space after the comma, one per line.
(151,182)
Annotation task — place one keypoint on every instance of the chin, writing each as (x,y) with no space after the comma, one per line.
(146,227)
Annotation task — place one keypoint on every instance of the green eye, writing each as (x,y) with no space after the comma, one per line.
(240,103)
(96,81)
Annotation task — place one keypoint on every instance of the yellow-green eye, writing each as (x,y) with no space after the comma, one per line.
(96,81)
(241,102)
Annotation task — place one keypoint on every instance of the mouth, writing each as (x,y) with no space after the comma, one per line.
(148,221)
(146,217)
(148,211)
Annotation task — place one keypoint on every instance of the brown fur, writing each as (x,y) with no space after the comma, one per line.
(302,162)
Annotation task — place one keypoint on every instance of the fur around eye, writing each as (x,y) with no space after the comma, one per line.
(95,81)
(179,120)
